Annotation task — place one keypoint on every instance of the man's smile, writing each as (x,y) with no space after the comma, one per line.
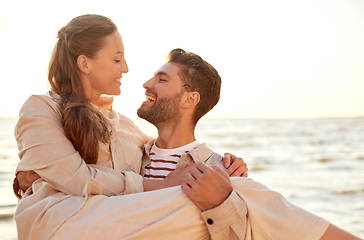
(150,98)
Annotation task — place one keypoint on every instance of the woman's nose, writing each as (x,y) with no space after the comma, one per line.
(124,66)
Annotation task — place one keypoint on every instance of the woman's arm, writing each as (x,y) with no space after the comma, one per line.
(44,149)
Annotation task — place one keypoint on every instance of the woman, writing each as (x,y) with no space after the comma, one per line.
(87,155)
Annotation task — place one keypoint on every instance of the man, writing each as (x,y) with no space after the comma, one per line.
(180,93)
(175,110)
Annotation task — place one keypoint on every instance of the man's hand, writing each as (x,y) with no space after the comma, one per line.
(207,187)
(26,179)
(236,167)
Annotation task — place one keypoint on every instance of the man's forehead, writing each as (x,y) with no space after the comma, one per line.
(169,69)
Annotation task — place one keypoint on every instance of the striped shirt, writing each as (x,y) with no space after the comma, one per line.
(164,161)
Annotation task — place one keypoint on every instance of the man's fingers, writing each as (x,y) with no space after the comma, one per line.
(182,166)
(210,190)
(202,167)
(221,172)
(191,166)
(186,189)
(190,180)
(197,174)
(190,193)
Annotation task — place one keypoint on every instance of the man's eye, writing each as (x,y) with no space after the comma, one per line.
(117,61)
(162,80)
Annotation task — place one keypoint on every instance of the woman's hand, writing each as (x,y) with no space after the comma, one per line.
(178,176)
(174,178)
(236,167)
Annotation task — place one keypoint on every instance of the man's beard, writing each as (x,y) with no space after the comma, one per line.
(164,110)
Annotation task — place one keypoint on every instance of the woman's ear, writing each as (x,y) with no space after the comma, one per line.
(83,64)
(191,99)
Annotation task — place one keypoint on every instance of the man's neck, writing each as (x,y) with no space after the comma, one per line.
(174,135)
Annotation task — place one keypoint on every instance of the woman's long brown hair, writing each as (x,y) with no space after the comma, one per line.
(84,125)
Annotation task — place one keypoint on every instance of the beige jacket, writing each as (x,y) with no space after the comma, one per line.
(44,148)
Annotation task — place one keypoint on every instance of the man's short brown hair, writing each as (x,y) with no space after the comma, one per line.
(198,75)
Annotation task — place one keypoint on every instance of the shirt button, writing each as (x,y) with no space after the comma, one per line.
(210,221)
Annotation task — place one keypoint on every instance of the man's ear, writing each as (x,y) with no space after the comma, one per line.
(191,99)
(83,64)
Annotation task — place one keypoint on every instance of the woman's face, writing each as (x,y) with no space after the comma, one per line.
(106,69)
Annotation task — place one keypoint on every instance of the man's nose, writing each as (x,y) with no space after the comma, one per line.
(148,84)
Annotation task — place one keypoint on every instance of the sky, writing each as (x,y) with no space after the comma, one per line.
(277,59)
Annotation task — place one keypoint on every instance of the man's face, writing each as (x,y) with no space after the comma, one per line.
(163,95)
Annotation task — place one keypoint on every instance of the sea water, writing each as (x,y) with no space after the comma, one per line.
(317,164)
(8,161)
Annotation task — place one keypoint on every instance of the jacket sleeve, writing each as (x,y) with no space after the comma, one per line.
(229,220)
(44,148)
(253,211)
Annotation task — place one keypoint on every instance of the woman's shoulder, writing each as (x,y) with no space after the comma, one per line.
(123,120)
(127,122)
(39,104)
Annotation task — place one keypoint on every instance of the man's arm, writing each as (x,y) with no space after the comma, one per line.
(209,187)
(335,233)
(224,213)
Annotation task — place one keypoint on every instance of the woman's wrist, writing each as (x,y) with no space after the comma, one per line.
(152,184)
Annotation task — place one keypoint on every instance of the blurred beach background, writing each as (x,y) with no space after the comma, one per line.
(292,102)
